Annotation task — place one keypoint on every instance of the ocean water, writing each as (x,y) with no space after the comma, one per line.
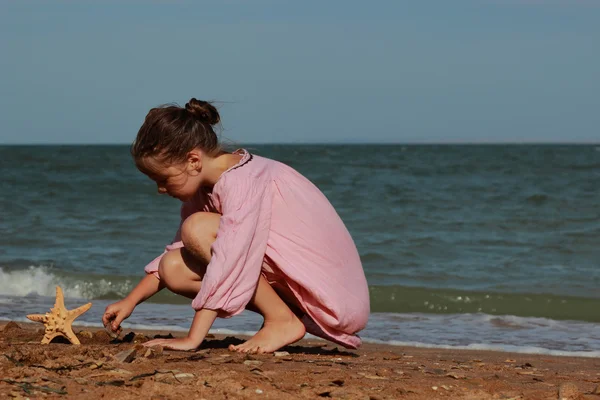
(491,246)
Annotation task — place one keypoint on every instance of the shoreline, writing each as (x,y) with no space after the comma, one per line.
(506,333)
(312,368)
(222,332)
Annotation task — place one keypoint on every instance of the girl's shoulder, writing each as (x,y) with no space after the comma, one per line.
(250,166)
(251,170)
(244,161)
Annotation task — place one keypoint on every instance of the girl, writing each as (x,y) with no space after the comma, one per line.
(254,234)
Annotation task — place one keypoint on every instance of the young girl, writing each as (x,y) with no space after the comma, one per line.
(255,234)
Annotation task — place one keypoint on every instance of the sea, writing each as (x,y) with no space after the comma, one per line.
(463,246)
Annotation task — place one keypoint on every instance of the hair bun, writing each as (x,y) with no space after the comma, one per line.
(203,111)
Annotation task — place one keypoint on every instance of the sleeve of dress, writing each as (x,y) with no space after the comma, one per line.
(187,209)
(239,249)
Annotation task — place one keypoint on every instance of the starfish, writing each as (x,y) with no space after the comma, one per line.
(58,321)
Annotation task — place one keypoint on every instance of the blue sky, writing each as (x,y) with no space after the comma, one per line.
(304,71)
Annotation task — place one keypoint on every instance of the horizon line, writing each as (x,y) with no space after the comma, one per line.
(441,143)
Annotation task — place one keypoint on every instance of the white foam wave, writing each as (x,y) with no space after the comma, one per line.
(41,280)
(486,332)
(490,347)
(33,280)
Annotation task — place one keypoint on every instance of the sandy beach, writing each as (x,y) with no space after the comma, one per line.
(122,368)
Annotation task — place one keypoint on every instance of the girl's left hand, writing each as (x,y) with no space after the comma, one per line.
(183,344)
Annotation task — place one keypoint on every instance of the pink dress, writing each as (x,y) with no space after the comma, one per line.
(276,222)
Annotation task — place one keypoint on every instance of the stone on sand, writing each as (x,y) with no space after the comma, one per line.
(568,391)
(11,326)
(125,356)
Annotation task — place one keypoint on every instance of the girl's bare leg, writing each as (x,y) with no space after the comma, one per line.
(182,271)
(281,326)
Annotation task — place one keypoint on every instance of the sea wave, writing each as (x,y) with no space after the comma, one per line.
(42,280)
(403,299)
(491,347)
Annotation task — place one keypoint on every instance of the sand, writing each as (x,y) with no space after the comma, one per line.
(311,369)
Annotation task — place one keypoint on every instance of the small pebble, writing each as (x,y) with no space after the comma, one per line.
(13,326)
(568,391)
(184,377)
(85,334)
(139,338)
(125,356)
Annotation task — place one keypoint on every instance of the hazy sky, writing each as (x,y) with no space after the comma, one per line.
(304,71)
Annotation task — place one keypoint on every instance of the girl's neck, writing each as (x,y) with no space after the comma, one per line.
(214,167)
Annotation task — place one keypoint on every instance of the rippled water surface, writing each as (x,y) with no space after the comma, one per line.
(442,230)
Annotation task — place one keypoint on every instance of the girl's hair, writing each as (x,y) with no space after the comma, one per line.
(170,131)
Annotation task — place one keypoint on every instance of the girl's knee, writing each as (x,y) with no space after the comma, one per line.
(169,265)
(177,276)
(201,226)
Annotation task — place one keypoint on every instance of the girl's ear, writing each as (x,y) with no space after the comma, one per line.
(194,159)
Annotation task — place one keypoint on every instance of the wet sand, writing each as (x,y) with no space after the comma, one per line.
(310,369)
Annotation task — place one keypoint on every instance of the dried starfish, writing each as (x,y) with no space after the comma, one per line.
(58,321)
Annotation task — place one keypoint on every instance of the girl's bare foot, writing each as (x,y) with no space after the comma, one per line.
(273,335)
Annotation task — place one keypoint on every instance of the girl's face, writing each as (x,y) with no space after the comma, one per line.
(180,180)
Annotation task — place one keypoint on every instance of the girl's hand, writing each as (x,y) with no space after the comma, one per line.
(203,320)
(183,344)
(116,313)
